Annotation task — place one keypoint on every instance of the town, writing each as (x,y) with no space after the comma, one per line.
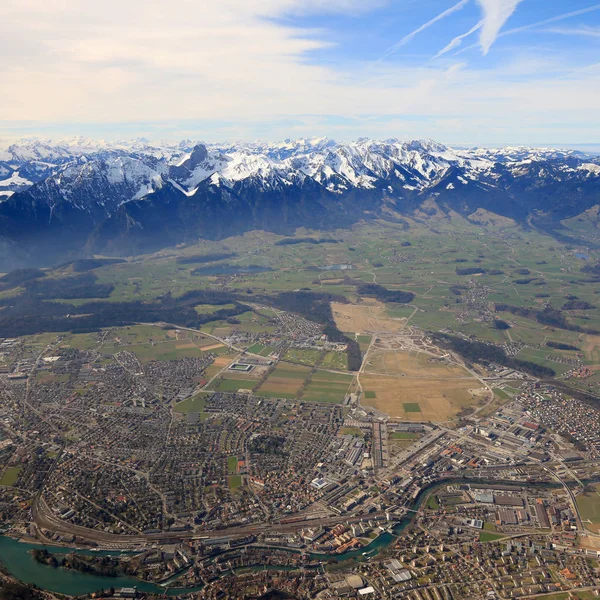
(212,484)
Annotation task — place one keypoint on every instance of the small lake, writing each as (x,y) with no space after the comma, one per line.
(582,256)
(337,268)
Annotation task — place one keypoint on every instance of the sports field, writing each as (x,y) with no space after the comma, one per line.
(404,435)
(235,481)
(232,465)
(10,476)
(233,384)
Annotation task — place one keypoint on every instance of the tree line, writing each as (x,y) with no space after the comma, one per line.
(205,258)
(305,240)
(28,315)
(77,286)
(382,294)
(88,264)
(549,316)
(474,351)
(561,346)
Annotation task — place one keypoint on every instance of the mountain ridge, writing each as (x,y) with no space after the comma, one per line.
(131,197)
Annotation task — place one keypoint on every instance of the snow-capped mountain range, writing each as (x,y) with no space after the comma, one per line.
(143,167)
(134,195)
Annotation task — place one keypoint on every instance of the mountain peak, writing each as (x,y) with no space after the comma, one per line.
(194,189)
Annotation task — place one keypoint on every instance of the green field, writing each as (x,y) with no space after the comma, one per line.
(233,385)
(148,343)
(163,352)
(501,394)
(195,404)
(47,377)
(304,357)
(232,465)
(256,348)
(490,536)
(337,361)
(329,388)
(589,507)
(432,502)
(204,309)
(411,407)
(261,350)
(10,476)
(354,431)
(250,322)
(235,481)
(285,381)
(369,394)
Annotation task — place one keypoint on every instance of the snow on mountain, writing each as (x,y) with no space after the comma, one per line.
(590,168)
(133,169)
(32,149)
(196,166)
(14,181)
(523,154)
(134,195)
(98,184)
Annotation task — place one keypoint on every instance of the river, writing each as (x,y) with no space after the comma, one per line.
(16,558)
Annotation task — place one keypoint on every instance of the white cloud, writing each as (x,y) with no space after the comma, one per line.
(495,15)
(457,41)
(593,32)
(235,65)
(425,26)
(557,18)
(561,17)
(104,60)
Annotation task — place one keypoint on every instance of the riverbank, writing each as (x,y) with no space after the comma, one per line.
(17,560)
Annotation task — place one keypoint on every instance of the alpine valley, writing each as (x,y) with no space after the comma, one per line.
(80,197)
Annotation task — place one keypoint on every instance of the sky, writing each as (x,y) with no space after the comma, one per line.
(469,72)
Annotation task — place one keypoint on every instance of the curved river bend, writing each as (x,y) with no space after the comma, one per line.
(16,558)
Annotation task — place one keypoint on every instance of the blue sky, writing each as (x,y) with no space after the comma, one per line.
(487,72)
